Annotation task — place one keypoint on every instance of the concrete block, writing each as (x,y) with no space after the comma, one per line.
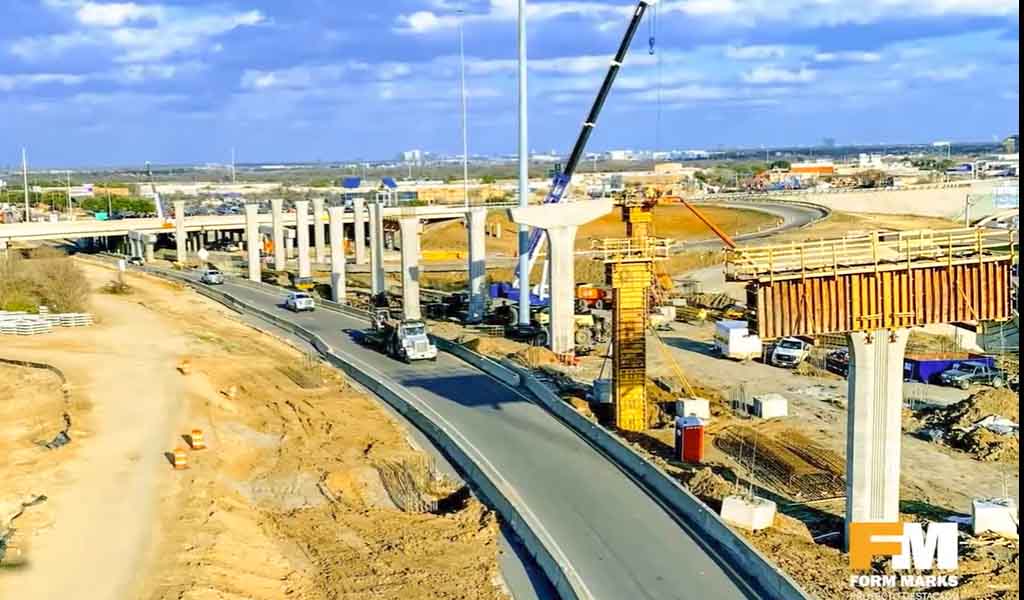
(749,513)
(697,407)
(998,515)
(769,406)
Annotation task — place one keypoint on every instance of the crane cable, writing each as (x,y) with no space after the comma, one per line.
(651,50)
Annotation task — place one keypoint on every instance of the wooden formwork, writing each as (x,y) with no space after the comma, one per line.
(877,282)
(630,280)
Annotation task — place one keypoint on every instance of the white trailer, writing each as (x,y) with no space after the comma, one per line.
(734,340)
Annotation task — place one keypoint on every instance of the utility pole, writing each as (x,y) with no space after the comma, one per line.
(524,175)
(232,165)
(68,173)
(465,128)
(24,181)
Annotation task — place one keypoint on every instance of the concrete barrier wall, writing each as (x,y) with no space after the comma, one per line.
(732,550)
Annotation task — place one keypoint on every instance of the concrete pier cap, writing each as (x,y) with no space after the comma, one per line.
(560,221)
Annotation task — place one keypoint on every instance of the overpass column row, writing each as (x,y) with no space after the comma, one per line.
(302,227)
(476,223)
(179,231)
(337,245)
(410,231)
(278,233)
(376,249)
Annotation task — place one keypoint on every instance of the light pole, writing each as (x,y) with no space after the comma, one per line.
(524,175)
(465,129)
(24,182)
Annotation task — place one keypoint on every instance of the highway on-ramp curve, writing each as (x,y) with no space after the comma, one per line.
(623,544)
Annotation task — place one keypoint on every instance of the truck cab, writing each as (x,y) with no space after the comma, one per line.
(401,339)
(789,352)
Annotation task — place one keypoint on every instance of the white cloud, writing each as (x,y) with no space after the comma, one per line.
(304,77)
(772,74)
(10,83)
(757,52)
(115,14)
(949,73)
(848,56)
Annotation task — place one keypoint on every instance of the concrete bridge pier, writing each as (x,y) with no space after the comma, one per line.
(179,232)
(560,222)
(874,426)
(318,231)
(377,285)
(359,233)
(302,233)
(252,246)
(476,230)
(409,228)
(150,248)
(278,233)
(337,244)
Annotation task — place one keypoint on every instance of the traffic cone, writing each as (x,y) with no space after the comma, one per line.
(196,440)
(180,459)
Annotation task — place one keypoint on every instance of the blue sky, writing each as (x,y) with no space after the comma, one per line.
(92,82)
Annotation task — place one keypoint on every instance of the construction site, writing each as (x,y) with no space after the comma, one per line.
(549,396)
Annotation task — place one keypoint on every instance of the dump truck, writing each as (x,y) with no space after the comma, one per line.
(404,340)
(590,296)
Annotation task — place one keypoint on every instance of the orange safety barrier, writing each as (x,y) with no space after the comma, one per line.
(180,459)
(196,440)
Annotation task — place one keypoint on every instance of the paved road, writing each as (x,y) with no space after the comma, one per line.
(792,215)
(622,543)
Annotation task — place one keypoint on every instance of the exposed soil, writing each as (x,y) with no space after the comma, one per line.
(307,488)
(959,426)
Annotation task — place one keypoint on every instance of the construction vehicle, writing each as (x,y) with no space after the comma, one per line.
(303,284)
(404,340)
(590,296)
(563,176)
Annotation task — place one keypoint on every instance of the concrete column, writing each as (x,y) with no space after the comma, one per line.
(318,230)
(410,231)
(252,247)
(179,231)
(560,221)
(476,229)
(874,426)
(376,249)
(289,243)
(359,225)
(278,236)
(302,231)
(337,216)
(151,249)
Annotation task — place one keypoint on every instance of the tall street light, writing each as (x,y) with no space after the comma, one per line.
(524,175)
(465,129)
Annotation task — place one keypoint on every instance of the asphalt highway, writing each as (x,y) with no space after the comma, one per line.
(621,542)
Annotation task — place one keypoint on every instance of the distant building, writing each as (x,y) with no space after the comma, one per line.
(813,169)
(1011,145)
(828,142)
(412,156)
(869,161)
(620,155)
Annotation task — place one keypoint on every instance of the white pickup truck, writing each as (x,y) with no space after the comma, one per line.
(789,352)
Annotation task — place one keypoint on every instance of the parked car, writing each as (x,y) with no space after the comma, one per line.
(789,352)
(972,372)
(299,301)
(838,361)
(212,277)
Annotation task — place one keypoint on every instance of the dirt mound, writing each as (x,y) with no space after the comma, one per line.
(963,425)
(536,357)
(966,413)
(709,486)
(492,346)
(986,445)
(808,370)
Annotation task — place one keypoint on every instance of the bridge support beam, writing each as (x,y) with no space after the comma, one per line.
(302,231)
(277,225)
(337,244)
(376,249)
(179,231)
(318,231)
(560,222)
(359,226)
(874,426)
(252,244)
(410,231)
(476,224)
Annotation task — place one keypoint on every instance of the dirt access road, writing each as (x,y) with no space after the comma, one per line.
(308,488)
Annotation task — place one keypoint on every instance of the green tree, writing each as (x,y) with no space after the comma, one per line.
(488,179)
(780,164)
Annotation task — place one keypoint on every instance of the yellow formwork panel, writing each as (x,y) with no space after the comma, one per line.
(631,281)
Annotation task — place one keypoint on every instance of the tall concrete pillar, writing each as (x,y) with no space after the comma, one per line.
(150,248)
(359,225)
(278,236)
(252,246)
(376,249)
(179,231)
(302,231)
(560,221)
(874,426)
(318,230)
(476,229)
(410,231)
(289,243)
(337,243)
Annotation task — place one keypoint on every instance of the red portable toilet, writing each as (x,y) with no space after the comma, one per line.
(690,432)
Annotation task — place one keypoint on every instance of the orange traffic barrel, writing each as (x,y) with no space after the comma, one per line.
(180,458)
(196,439)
